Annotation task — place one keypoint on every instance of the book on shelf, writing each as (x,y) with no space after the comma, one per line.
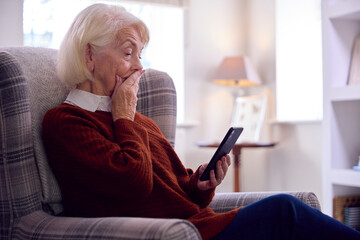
(341,203)
(357,167)
(352,217)
(354,73)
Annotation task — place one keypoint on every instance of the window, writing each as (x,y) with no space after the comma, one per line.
(46,22)
(298,60)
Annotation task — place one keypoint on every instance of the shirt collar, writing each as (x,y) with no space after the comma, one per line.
(89,101)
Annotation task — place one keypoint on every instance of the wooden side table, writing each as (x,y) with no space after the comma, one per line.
(236,151)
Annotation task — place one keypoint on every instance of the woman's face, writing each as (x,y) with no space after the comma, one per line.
(121,59)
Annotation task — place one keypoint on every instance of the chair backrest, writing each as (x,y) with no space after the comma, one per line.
(29,87)
(20,192)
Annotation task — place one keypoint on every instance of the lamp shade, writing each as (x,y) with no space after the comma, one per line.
(237,71)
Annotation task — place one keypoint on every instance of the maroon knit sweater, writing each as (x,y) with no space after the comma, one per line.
(123,168)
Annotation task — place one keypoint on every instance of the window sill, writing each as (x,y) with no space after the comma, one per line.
(275,122)
(187,125)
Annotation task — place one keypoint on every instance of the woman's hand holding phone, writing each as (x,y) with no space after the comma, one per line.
(215,179)
(223,149)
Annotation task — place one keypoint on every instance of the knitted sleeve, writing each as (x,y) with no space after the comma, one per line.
(189,184)
(80,153)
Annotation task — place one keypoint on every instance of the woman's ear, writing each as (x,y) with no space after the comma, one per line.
(89,58)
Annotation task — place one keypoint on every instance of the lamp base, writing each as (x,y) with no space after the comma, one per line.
(238,92)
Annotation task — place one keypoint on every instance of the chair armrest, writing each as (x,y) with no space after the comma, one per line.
(40,225)
(224,202)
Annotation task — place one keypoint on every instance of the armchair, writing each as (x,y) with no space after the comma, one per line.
(30,199)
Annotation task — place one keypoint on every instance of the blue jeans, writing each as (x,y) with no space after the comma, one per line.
(283,216)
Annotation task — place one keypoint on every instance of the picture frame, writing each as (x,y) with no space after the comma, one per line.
(354,73)
(249,113)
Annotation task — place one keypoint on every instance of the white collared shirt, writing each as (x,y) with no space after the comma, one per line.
(88,101)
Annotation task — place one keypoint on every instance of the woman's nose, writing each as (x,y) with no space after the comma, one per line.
(137,64)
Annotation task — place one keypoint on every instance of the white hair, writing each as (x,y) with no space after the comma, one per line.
(97,25)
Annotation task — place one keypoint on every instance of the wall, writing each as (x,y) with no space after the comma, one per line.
(213,31)
(11,22)
(296,161)
(217,29)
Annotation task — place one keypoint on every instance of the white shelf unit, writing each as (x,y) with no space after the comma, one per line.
(345,177)
(341,117)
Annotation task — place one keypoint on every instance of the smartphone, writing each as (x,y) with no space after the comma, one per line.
(224,148)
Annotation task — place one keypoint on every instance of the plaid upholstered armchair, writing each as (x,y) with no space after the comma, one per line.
(30,199)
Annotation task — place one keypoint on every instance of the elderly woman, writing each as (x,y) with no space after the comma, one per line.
(112,161)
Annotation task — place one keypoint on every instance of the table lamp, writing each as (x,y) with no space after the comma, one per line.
(238,72)
(248,111)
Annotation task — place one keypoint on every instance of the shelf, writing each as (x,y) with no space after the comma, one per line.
(341,125)
(347,93)
(344,9)
(347,177)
